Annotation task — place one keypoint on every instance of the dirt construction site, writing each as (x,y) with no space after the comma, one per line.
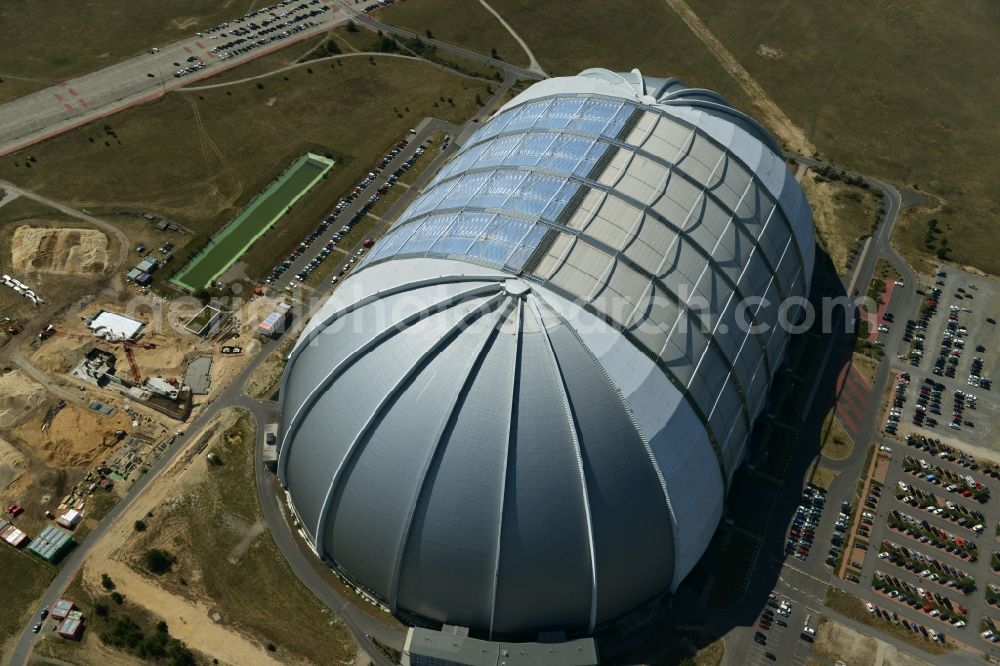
(67,443)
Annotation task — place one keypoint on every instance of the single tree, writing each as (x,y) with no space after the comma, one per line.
(158,560)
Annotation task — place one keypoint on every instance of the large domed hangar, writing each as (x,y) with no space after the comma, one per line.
(523,409)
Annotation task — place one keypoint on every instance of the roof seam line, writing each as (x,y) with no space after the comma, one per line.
(365,433)
(515,380)
(307,404)
(574,432)
(438,439)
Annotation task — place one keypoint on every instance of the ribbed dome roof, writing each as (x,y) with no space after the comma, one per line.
(498,450)
(521,412)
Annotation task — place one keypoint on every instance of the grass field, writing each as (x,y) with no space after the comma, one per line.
(366,41)
(889,89)
(267,63)
(866,365)
(27,578)
(199,157)
(568,37)
(56,40)
(274,202)
(459,22)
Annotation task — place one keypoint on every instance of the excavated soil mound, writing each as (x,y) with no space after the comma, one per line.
(79,436)
(53,250)
(19,395)
(12,463)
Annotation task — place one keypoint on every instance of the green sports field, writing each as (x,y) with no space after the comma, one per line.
(227,246)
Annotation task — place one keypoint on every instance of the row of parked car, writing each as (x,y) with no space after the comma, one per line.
(953,482)
(895,412)
(277,26)
(807,516)
(926,566)
(892,616)
(928,403)
(943,451)
(924,532)
(333,216)
(934,604)
(839,533)
(265,15)
(976,373)
(767,618)
(962,516)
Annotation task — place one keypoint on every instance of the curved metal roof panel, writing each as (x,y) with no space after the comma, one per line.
(522,410)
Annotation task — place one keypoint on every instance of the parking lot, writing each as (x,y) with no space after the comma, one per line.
(348,212)
(930,561)
(783,628)
(262,27)
(953,350)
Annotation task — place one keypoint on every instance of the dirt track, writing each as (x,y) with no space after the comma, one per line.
(775,118)
(55,250)
(188,621)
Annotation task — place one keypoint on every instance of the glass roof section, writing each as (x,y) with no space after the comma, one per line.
(487,202)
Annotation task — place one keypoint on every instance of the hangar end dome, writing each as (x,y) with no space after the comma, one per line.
(523,409)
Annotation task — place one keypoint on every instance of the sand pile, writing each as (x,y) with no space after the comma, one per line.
(77,436)
(19,395)
(12,463)
(54,250)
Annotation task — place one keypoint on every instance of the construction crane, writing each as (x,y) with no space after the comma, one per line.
(127,346)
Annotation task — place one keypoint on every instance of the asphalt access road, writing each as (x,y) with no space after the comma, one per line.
(72,103)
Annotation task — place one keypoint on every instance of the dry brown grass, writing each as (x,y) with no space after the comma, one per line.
(227,561)
(11,89)
(79,38)
(465,23)
(879,119)
(823,477)
(838,642)
(866,366)
(711,654)
(852,607)
(842,214)
(28,577)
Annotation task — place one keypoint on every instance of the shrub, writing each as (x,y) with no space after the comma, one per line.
(158,560)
